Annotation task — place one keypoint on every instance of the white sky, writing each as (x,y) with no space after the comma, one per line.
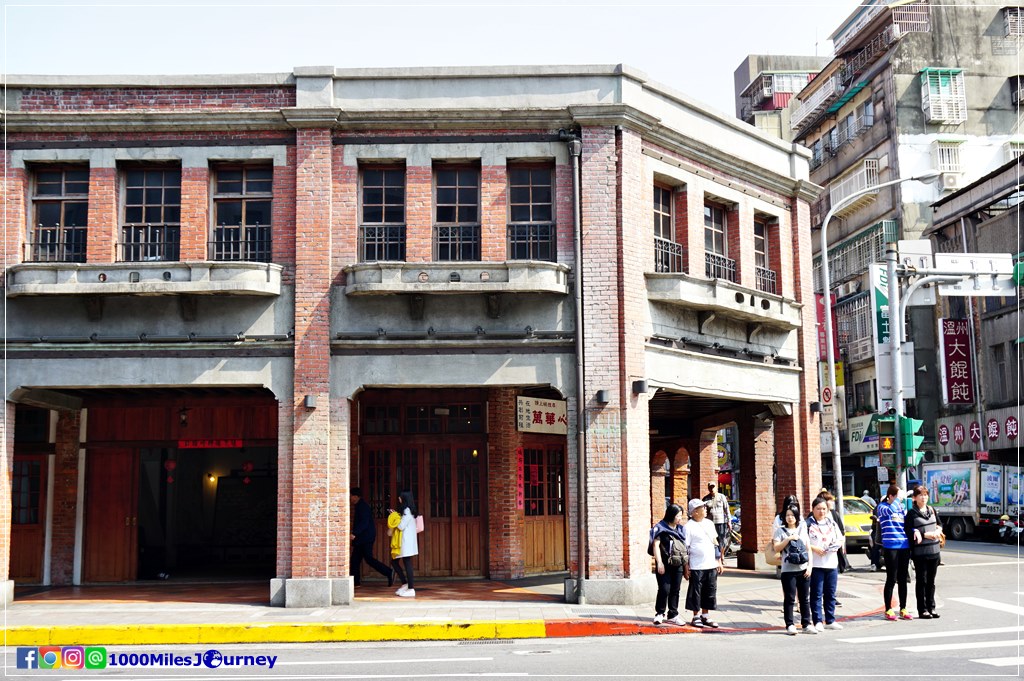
(690,45)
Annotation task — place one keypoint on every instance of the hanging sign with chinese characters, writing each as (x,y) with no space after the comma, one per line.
(957,365)
(535,415)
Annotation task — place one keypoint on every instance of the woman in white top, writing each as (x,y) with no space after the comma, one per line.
(704,565)
(791,541)
(410,545)
(826,540)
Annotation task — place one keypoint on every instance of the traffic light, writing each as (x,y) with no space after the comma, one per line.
(1018,273)
(886,426)
(911,441)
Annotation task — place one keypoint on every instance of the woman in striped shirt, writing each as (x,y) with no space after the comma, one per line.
(896,547)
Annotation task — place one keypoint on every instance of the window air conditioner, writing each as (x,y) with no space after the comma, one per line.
(950,181)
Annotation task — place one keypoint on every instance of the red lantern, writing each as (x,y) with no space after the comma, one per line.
(246,480)
(170,465)
(169,479)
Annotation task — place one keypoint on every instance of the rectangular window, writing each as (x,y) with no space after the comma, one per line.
(943,98)
(422,419)
(717,264)
(1000,387)
(456,213)
(26,488)
(531,217)
(765,275)
(151,228)
(946,156)
(382,214)
(242,197)
(381,420)
(1013,21)
(668,255)
(60,212)
(466,418)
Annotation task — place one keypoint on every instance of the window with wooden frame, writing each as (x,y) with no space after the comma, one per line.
(531,225)
(764,274)
(151,225)
(668,255)
(544,480)
(60,214)
(456,213)
(242,199)
(717,263)
(381,213)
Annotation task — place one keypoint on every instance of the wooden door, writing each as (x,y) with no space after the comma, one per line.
(111,523)
(28,518)
(544,493)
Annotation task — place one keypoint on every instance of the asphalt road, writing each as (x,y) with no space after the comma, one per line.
(978,636)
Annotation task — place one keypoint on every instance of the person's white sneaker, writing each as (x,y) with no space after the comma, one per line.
(791,630)
(408,593)
(834,626)
(402,589)
(819,627)
(675,620)
(659,618)
(809,629)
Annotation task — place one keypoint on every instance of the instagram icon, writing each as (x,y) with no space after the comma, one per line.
(74,657)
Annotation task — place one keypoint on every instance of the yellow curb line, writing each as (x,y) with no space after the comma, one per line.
(297,632)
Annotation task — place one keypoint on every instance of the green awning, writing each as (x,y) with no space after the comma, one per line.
(847,96)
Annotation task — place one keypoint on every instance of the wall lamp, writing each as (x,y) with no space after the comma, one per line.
(309,401)
(640,387)
(815,407)
(602,397)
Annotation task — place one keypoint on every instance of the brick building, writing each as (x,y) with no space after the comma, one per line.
(231,298)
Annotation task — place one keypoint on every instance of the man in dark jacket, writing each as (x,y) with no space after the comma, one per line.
(364,533)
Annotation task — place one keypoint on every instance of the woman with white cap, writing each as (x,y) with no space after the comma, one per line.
(704,566)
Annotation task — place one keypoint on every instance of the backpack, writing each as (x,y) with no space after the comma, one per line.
(796,552)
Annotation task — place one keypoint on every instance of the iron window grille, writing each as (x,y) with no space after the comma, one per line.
(531,228)
(717,264)
(457,214)
(60,209)
(151,230)
(382,213)
(764,275)
(943,97)
(242,203)
(668,256)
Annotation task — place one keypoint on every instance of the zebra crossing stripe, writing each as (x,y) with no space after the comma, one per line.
(933,634)
(958,646)
(1002,661)
(991,605)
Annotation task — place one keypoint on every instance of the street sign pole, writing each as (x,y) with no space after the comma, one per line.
(895,345)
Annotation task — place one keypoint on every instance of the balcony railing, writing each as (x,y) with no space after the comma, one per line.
(817,102)
(241,243)
(864,177)
(456,242)
(766,280)
(145,243)
(382,243)
(668,256)
(866,17)
(719,267)
(56,244)
(532,242)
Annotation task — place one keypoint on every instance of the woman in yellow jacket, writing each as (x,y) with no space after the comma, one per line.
(404,544)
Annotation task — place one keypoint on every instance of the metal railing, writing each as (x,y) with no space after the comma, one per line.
(766,280)
(456,242)
(382,243)
(143,243)
(817,102)
(250,243)
(668,256)
(719,267)
(535,241)
(53,243)
(866,176)
(866,17)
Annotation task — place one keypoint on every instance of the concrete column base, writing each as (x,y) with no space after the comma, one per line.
(343,590)
(311,592)
(752,560)
(7,591)
(631,591)
(277,592)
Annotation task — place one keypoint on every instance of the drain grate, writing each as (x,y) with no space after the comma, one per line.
(486,642)
(591,612)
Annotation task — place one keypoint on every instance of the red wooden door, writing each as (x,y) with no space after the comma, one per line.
(28,518)
(544,494)
(111,523)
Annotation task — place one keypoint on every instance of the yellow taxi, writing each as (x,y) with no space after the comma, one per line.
(857,520)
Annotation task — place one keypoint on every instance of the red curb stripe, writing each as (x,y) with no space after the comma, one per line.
(577,629)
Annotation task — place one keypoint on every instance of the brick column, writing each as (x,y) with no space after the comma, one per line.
(102,235)
(283,563)
(195,213)
(741,243)
(6,491)
(419,214)
(14,193)
(506,522)
(703,461)
(564,214)
(757,450)
(346,214)
(658,477)
(283,216)
(493,213)
(680,476)
(65,496)
(693,244)
(314,466)
(681,215)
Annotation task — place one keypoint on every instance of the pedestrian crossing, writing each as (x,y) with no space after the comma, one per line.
(1003,640)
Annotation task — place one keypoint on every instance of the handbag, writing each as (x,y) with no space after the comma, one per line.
(714,540)
(771,556)
(419,524)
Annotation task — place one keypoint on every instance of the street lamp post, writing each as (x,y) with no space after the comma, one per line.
(837,466)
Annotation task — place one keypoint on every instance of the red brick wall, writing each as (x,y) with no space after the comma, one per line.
(6,492)
(681,217)
(65,497)
(345,239)
(167,99)
(102,237)
(283,215)
(195,210)
(493,213)
(419,215)
(285,486)
(506,522)
(150,137)
(311,448)
(564,213)
(806,426)
(14,192)
(757,451)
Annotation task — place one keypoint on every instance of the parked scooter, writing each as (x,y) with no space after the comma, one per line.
(1009,530)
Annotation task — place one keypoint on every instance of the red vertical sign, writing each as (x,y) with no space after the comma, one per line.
(957,364)
(820,304)
(520,482)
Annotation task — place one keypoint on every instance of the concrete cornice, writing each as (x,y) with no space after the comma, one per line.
(428,119)
(133,121)
(434,72)
(614,114)
(326,117)
(154,81)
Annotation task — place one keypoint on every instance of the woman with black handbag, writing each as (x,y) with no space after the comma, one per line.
(925,533)
(668,547)
(791,541)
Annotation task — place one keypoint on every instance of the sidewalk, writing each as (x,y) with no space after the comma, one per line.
(748,601)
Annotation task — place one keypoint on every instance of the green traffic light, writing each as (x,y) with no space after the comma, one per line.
(910,440)
(1018,273)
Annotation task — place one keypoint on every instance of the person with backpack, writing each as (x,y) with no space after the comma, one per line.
(791,541)
(408,545)
(668,546)
(825,541)
(925,533)
(896,549)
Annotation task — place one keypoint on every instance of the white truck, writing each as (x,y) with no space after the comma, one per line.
(970,496)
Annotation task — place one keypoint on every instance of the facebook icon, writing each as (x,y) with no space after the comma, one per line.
(27,658)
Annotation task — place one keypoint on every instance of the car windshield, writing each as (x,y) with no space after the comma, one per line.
(855,506)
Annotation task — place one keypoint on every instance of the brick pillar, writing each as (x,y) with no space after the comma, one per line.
(65,497)
(346,213)
(741,238)
(757,456)
(419,214)
(506,522)
(102,235)
(14,193)
(195,213)
(283,215)
(283,563)
(681,215)
(316,474)
(493,213)
(694,241)
(564,214)
(680,476)
(6,475)
(658,477)
(703,461)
